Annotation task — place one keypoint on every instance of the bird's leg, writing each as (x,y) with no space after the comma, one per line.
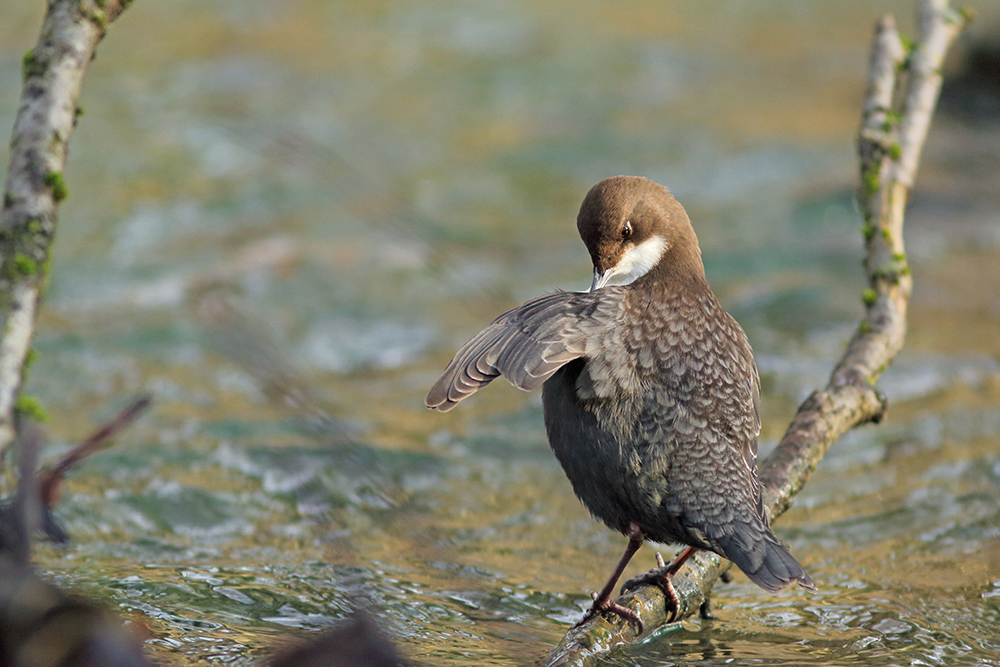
(660,576)
(602,600)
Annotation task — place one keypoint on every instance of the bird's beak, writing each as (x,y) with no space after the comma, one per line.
(600,278)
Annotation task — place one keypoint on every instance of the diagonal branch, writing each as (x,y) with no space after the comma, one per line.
(53,74)
(890,141)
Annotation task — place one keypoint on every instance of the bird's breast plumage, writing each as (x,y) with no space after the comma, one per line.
(661,416)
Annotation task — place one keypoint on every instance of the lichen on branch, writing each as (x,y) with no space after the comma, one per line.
(53,74)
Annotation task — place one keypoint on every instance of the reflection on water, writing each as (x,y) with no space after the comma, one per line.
(284,222)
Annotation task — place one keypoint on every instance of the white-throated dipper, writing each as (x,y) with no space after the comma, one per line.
(649,388)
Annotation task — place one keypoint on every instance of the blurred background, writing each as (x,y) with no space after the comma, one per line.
(283,219)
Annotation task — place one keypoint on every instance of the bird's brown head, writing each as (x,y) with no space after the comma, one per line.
(633,227)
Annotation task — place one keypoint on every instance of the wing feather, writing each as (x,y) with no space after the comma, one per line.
(526,345)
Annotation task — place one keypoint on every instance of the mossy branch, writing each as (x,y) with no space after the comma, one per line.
(53,73)
(903,86)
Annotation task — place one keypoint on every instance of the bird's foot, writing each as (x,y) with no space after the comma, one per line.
(608,604)
(660,576)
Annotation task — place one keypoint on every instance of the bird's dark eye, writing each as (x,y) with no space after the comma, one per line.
(626,230)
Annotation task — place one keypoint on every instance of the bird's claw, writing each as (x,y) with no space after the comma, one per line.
(628,615)
(659,576)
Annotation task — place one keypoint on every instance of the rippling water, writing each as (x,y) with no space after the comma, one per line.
(284,219)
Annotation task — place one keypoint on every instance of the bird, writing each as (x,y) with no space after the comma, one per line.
(650,392)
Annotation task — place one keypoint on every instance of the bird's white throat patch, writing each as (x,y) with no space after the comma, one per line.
(637,261)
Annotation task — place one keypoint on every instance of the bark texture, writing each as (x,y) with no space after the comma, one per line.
(53,74)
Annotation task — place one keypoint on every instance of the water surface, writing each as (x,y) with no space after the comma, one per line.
(283,220)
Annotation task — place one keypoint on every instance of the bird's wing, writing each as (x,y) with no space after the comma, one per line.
(526,345)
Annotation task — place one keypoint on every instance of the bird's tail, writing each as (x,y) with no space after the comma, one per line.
(768,563)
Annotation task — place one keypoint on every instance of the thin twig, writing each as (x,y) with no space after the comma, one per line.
(889,154)
(50,478)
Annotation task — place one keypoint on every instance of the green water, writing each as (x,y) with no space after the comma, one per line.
(283,219)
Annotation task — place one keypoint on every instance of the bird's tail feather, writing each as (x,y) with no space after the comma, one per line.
(770,565)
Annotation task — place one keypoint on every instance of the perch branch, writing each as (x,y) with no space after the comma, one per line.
(53,74)
(889,151)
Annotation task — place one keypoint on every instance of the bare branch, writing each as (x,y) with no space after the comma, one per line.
(889,152)
(51,478)
(53,74)
(939,26)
